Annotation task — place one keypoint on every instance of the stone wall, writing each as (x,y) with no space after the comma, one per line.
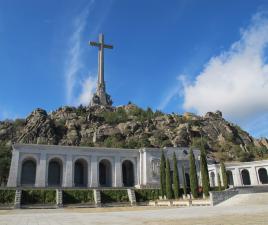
(217,197)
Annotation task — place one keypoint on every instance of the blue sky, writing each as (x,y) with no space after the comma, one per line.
(172,55)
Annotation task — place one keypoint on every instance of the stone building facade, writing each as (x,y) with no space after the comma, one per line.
(91,167)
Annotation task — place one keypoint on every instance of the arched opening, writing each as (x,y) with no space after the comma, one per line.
(28,173)
(187,179)
(245,177)
(230,178)
(105,173)
(212,179)
(128,173)
(263,175)
(55,172)
(80,173)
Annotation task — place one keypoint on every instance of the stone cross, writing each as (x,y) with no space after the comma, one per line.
(101,46)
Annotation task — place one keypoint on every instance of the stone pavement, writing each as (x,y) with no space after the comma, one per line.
(248,209)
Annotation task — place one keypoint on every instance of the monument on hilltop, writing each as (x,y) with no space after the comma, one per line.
(101,97)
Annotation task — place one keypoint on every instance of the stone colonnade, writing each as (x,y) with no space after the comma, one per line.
(241,174)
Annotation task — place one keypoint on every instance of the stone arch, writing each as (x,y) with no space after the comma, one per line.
(55,170)
(128,173)
(187,179)
(105,173)
(262,172)
(80,173)
(28,172)
(212,179)
(230,178)
(245,177)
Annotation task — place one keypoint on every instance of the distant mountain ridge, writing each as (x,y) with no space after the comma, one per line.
(129,126)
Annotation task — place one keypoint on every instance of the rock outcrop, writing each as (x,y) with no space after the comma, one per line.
(130,126)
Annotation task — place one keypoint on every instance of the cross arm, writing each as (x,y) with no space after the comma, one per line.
(108,46)
(93,43)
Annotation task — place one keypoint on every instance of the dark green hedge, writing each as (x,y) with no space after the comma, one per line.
(144,195)
(38,197)
(108,196)
(77,196)
(7,196)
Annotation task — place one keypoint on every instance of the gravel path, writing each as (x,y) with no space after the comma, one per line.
(240,210)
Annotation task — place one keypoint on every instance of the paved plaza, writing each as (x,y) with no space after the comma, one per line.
(241,209)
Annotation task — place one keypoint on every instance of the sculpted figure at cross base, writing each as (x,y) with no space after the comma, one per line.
(101,97)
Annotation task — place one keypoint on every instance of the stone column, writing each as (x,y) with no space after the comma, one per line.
(253,176)
(237,177)
(94,171)
(118,172)
(41,171)
(13,173)
(68,178)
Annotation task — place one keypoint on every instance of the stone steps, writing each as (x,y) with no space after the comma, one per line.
(131,196)
(17,202)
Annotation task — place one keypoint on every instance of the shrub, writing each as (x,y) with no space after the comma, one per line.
(176,177)
(108,196)
(7,196)
(5,160)
(38,197)
(204,172)
(224,175)
(184,181)
(219,183)
(77,196)
(193,175)
(144,195)
(162,175)
(168,181)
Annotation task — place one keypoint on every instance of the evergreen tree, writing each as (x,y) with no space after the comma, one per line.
(204,172)
(176,182)
(224,175)
(163,175)
(168,181)
(193,175)
(219,182)
(184,181)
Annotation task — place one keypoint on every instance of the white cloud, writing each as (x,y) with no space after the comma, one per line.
(74,63)
(88,87)
(236,81)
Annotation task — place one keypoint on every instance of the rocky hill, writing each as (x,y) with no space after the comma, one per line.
(132,127)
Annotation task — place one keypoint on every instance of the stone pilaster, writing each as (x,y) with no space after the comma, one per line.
(41,171)
(94,171)
(13,173)
(68,181)
(118,172)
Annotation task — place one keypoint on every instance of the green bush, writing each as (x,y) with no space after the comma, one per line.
(7,196)
(144,195)
(77,196)
(108,196)
(38,197)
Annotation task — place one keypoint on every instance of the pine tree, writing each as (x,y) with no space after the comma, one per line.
(163,175)
(193,175)
(168,181)
(176,182)
(224,175)
(184,181)
(219,182)
(204,172)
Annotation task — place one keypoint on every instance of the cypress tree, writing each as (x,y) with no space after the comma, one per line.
(224,175)
(163,175)
(193,175)
(219,182)
(184,181)
(168,181)
(204,172)
(176,177)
